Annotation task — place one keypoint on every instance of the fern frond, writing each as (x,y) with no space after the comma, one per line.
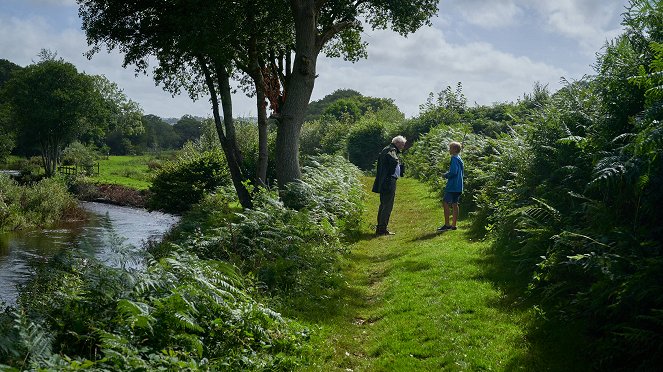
(136,313)
(33,337)
(186,321)
(193,342)
(610,169)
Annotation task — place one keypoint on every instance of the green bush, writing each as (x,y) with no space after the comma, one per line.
(365,141)
(574,201)
(330,186)
(180,184)
(82,157)
(325,136)
(292,253)
(40,205)
(182,313)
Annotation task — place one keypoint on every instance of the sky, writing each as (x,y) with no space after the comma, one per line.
(497,50)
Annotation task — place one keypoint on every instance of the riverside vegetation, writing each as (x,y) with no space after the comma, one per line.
(556,266)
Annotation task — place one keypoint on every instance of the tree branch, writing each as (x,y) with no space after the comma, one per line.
(359,2)
(333,30)
(318,5)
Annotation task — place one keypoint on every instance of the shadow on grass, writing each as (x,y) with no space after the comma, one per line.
(361,236)
(376,258)
(413,266)
(426,236)
(554,345)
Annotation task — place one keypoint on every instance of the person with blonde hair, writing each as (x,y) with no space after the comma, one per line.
(389,169)
(453,188)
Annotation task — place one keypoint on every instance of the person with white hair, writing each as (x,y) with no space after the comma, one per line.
(389,169)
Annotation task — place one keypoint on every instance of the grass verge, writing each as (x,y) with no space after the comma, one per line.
(422,301)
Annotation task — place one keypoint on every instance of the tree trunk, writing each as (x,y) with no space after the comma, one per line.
(263,151)
(254,70)
(299,89)
(227,136)
(50,156)
(231,148)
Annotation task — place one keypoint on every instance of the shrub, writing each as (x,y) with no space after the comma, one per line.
(183,313)
(325,136)
(365,141)
(81,156)
(182,183)
(40,205)
(293,254)
(330,186)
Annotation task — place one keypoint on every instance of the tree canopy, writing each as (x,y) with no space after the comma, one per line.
(51,104)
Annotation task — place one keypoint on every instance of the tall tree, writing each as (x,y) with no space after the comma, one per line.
(198,43)
(193,43)
(117,111)
(333,27)
(51,104)
(188,128)
(7,68)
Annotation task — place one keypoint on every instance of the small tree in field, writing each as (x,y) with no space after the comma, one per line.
(50,105)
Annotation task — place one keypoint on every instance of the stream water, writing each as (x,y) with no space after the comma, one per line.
(111,234)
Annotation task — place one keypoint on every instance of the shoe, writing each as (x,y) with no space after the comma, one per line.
(453,228)
(384,232)
(445,228)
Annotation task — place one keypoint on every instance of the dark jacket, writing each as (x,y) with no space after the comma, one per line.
(387,161)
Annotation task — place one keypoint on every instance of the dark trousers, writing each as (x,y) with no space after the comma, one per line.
(386,204)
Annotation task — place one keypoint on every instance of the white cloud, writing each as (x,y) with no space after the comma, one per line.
(407,69)
(489,14)
(590,22)
(22,39)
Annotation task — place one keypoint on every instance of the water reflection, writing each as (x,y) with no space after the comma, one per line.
(114,235)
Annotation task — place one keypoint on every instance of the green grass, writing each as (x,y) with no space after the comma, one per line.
(130,171)
(423,301)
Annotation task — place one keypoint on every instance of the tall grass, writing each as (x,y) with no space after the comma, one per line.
(39,205)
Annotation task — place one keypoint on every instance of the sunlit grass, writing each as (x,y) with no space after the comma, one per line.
(422,301)
(130,171)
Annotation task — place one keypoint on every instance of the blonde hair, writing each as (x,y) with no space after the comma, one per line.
(455,147)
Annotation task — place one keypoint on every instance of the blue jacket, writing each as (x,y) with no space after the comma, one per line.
(455,175)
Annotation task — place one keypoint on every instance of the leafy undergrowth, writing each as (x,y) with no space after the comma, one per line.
(420,300)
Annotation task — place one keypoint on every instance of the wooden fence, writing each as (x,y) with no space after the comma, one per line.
(74,169)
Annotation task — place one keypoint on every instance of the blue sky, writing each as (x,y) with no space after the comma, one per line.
(497,49)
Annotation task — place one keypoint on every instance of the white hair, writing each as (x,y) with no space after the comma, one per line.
(398,139)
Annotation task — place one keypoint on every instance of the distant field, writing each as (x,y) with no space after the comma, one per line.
(131,171)
(125,170)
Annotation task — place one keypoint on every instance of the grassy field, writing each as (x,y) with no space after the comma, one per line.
(130,171)
(423,301)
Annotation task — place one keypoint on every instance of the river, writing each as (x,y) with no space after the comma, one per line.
(99,236)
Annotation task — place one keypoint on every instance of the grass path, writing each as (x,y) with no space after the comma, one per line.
(421,301)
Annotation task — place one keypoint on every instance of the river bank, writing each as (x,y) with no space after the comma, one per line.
(110,233)
(111,194)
